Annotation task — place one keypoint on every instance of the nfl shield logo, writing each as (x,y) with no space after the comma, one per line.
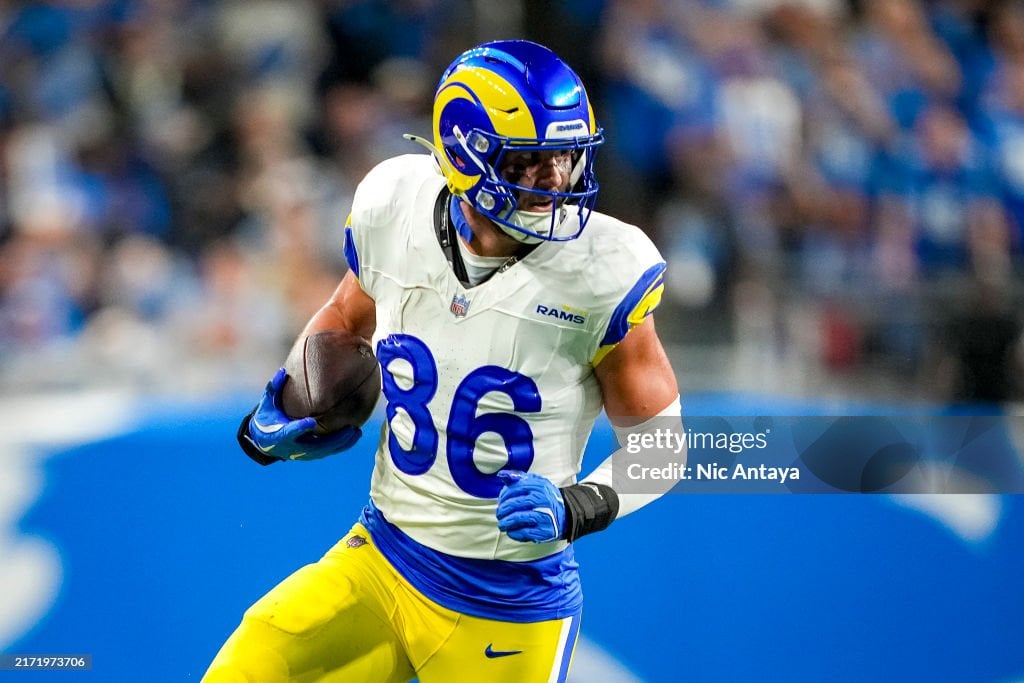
(460,305)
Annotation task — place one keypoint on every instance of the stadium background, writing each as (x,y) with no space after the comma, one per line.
(837,186)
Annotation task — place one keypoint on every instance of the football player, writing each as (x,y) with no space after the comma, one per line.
(505,314)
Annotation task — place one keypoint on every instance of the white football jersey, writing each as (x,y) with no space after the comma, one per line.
(496,376)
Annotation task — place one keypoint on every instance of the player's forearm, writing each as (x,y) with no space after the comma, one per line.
(348,308)
(328,317)
(662,451)
(608,493)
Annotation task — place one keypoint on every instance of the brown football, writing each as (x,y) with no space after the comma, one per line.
(334,377)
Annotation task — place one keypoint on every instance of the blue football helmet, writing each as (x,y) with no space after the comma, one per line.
(514,96)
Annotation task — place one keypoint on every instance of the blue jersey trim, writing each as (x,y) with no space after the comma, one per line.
(351,256)
(521,592)
(459,220)
(618,326)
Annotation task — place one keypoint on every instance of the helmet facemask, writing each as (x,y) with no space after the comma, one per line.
(504,200)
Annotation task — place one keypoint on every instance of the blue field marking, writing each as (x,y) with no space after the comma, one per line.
(165,533)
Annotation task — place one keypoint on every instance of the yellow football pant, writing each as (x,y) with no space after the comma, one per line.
(351,617)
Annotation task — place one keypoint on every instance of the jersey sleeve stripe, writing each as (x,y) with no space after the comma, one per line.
(638,303)
(351,255)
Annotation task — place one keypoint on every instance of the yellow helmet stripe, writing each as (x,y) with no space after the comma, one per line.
(505,107)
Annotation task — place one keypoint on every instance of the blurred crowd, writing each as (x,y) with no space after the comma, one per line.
(836,181)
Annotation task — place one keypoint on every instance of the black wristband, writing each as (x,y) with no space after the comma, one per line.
(588,508)
(249,446)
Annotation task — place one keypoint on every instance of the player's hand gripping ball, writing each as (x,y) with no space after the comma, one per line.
(315,405)
(333,377)
(530,508)
(284,438)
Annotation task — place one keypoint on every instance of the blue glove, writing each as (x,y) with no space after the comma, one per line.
(530,508)
(278,436)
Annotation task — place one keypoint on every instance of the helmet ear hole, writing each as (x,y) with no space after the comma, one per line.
(457,160)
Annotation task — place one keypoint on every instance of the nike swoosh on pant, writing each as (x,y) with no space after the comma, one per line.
(491,653)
